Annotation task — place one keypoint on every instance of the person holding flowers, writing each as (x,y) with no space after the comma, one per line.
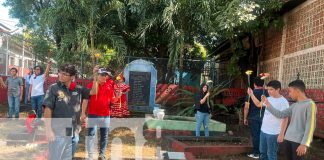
(252,116)
(302,124)
(273,128)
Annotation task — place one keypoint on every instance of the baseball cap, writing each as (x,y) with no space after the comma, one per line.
(104,71)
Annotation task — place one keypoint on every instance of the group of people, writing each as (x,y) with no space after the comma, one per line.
(34,89)
(93,104)
(267,111)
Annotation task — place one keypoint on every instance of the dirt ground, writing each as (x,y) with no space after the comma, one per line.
(121,142)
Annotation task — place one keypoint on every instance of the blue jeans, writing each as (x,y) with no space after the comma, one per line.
(26,93)
(204,119)
(268,146)
(36,102)
(103,123)
(14,105)
(255,127)
(63,147)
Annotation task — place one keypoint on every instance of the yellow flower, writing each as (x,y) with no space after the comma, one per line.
(97,55)
(248,72)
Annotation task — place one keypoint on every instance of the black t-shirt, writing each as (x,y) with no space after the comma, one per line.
(65,105)
(202,107)
(254,111)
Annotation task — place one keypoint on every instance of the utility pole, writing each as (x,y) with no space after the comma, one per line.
(7,56)
(23,58)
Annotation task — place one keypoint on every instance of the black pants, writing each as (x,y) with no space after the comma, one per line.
(255,126)
(291,150)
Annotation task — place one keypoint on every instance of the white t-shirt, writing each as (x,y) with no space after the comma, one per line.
(270,123)
(38,85)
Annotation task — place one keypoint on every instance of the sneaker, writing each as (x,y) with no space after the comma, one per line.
(252,155)
(101,157)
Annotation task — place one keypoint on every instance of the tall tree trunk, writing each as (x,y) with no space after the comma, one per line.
(91,30)
(92,49)
(169,74)
(181,67)
(162,51)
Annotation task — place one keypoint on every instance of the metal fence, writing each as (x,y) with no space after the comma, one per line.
(194,71)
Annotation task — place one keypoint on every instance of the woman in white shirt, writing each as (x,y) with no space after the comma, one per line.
(36,88)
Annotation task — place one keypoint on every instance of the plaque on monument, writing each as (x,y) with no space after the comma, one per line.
(139,94)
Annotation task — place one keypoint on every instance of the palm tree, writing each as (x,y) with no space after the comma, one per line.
(85,25)
(187,100)
(185,20)
(181,20)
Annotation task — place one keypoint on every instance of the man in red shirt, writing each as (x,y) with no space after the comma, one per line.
(101,95)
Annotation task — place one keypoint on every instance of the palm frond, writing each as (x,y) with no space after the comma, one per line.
(117,43)
(145,26)
(183,103)
(220,106)
(186,112)
(217,92)
(186,98)
(118,6)
(185,92)
(167,16)
(174,47)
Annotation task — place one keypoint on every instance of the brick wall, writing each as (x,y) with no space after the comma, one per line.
(305,27)
(298,47)
(272,44)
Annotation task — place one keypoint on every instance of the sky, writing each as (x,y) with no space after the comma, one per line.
(5,19)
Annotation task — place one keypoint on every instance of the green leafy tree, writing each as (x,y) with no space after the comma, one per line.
(77,27)
(165,28)
(185,22)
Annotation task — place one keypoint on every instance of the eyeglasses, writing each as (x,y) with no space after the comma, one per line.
(64,74)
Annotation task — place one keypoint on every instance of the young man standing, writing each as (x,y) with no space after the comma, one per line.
(302,123)
(15,92)
(36,88)
(253,116)
(273,128)
(63,101)
(99,111)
